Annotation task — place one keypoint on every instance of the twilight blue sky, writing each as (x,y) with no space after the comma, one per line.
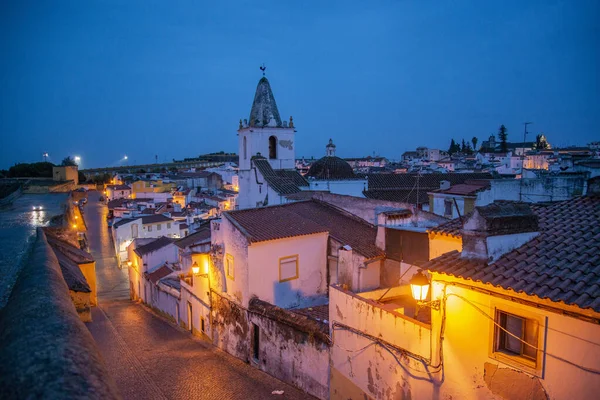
(101,79)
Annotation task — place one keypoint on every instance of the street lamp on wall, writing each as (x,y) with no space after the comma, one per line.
(195,268)
(419,287)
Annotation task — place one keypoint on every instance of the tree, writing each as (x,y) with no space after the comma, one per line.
(474,141)
(502,137)
(68,161)
(33,170)
(454,147)
(81,177)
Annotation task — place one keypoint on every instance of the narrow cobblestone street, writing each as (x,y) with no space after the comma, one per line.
(152,359)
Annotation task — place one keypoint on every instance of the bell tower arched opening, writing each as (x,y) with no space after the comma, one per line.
(273,147)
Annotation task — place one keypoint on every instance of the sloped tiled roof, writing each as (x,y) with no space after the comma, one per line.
(194,238)
(153,219)
(413,187)
(72,273)
(280,184)
(306,218)
(561,264)
(153,246)
(118,187)
(292,175)
(158,273)
(426,181)
(470,188)
(123,222)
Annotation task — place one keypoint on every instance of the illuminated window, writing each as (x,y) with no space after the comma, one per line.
(517,338)
(288,268)
(229,267)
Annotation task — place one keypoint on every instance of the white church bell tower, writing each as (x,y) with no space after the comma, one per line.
(265,133)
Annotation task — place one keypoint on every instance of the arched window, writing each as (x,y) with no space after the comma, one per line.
(245,149)
(272,147)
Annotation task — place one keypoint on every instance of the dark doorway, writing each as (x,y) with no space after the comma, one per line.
(255,341)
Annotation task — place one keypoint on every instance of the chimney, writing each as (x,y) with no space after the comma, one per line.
(497,229)
(444,185)
(593,186)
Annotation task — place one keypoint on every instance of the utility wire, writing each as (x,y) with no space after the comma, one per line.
(590,370)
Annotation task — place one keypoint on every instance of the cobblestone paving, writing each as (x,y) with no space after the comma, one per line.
(152,359)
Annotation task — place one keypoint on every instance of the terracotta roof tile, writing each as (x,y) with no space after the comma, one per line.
(153,246)
(158,273)
(562,264)
(307,218)
(279,182)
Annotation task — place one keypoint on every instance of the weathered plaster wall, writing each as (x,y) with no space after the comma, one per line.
(471,368)
(440,244)
(350,187)
(165,301)
(230,327)
(264,280)
(293,356)
(367,209)
(439,200)
(362,369)
(89,272)
(234,243)
(200,310)
(81,301)
(468,340)
(551,188)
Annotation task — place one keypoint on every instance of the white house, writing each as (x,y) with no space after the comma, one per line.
(117,192)
(146,255)
(126,230)
(270,268)
(513,315)
(194,308)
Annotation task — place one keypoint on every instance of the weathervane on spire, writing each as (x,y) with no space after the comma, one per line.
(263,68)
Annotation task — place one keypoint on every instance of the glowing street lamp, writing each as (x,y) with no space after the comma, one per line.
(195,268)
(419,286)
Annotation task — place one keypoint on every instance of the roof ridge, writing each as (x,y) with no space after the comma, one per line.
(343,212)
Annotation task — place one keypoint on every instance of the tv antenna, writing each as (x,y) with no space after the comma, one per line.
(523,159)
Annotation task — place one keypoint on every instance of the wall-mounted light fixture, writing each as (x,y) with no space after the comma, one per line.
(419,286)
(195,268)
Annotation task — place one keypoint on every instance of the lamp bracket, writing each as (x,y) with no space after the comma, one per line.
(434,305)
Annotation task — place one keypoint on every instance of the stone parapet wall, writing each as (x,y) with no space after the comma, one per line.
(45,349)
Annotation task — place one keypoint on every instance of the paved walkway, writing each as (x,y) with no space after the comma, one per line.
(152,359)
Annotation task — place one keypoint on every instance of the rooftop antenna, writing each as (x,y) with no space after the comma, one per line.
(263,68)
(523,159)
